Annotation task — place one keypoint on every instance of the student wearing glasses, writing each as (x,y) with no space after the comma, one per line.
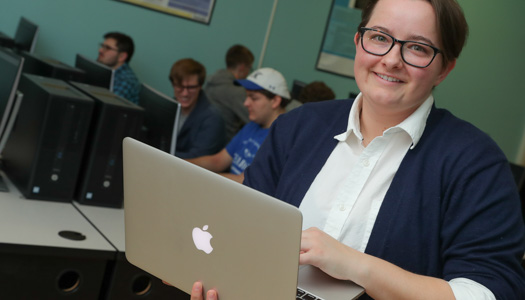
(397,195)
(201,128)
(116,52)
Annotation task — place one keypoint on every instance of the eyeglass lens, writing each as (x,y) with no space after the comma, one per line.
(413,53)
(190,88)
(106,47)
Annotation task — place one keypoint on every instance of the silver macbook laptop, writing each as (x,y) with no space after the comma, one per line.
(185,224)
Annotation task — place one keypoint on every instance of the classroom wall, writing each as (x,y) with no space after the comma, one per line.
(484,88)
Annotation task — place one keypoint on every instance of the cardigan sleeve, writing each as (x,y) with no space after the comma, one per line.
(265,171)
(483,233)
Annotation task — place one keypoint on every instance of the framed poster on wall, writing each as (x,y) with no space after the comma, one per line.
(196,10)
(337,52)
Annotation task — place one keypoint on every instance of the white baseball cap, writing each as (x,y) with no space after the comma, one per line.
(266,79)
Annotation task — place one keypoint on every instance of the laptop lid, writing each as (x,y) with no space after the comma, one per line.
(249,242)
(170,205)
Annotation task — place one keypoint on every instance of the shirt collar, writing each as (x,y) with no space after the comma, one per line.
(414,125)
(122,68)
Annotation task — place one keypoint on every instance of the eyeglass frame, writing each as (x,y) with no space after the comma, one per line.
(107,48)
(362,31)
(189,88)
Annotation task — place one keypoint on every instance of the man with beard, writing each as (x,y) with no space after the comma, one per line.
(116,52)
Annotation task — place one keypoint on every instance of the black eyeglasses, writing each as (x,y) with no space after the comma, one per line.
(190,88)
(416,54)
(107,48)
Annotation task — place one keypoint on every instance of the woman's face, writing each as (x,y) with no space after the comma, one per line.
(388,84)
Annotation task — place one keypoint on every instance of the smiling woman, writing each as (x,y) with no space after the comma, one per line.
(408,86)
(397,195)
(390,174)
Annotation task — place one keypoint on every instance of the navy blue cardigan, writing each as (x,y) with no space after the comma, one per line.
(451,211)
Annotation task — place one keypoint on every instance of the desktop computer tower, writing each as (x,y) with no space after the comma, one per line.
(43,153)
(48,67)
(114,118)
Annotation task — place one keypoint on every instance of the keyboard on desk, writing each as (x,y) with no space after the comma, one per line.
(304,295)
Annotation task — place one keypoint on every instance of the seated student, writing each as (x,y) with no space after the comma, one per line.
(201,129)
(225,94)
(116,52)
(267,95)
(312,92)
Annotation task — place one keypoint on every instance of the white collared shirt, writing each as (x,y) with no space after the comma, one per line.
(346,195)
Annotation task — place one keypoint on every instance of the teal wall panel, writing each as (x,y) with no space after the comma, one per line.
(484,88)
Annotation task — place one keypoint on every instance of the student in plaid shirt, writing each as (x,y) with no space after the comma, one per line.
(116,52)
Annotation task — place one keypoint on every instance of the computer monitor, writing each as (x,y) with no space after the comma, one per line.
(11,66)
(6,40)
(96,73)
(7,131)
(26,35)
(161,119)
(11,119)
(297,87)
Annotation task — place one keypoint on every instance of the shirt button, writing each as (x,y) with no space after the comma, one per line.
(342,207)
(366,162)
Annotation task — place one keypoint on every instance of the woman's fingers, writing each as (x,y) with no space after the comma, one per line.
(196,291)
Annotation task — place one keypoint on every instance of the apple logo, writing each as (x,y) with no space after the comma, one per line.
(201,239)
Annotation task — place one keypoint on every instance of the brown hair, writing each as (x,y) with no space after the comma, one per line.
(270,95)
(186,67)
(238,54)
(315,91)
(451,24)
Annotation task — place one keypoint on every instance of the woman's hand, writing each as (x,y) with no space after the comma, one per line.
(381,279)
(196,293)
(323,251)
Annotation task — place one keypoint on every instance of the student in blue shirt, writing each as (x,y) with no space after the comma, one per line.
(116,52)
(267,96)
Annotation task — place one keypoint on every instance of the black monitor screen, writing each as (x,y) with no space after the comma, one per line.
(26,35)
(6,41)
(297,87)
(96,73)
(10,71)
(161,119)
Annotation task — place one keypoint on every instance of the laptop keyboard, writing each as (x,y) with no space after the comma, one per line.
(304,295)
